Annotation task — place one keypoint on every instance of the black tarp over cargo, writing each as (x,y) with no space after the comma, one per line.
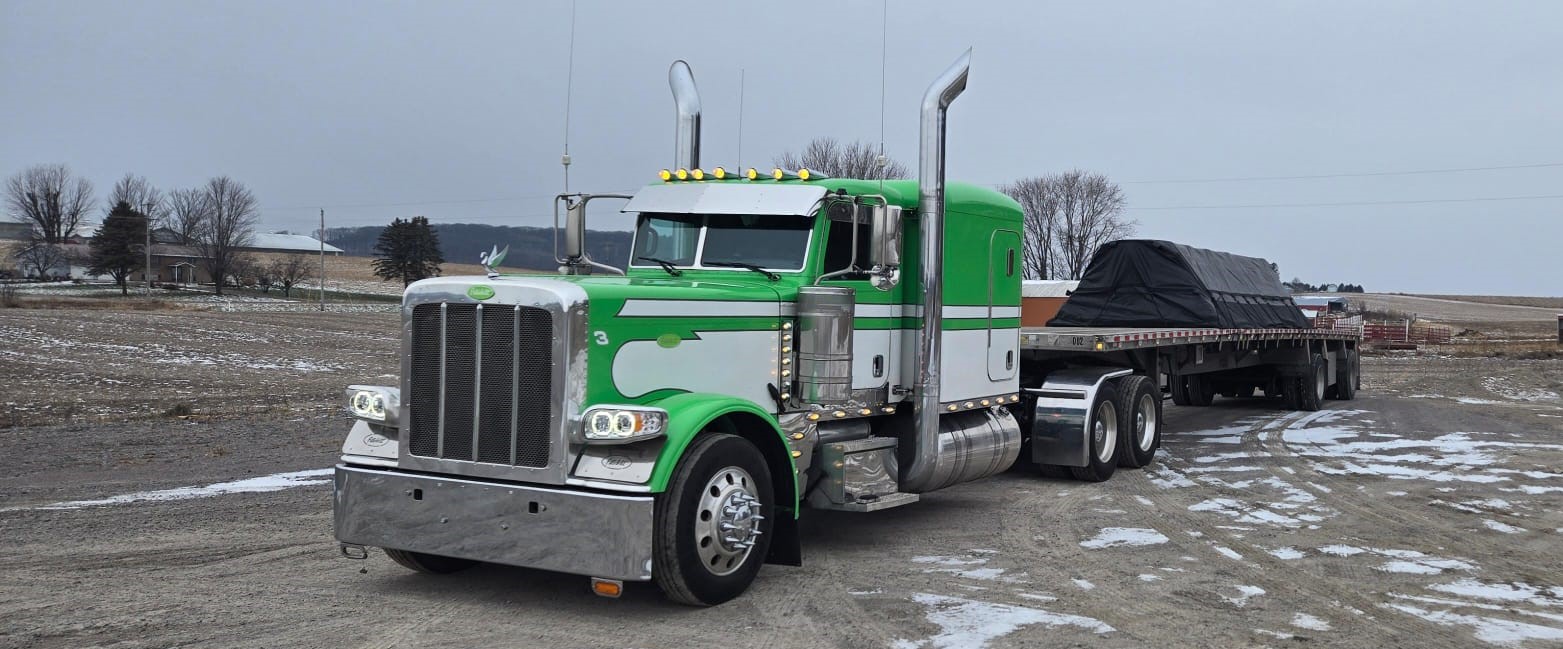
(1144,283)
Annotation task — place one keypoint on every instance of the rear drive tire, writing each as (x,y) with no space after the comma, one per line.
(429,564)
(721,480)
(1139,417)
(1310,388)
(1101,437)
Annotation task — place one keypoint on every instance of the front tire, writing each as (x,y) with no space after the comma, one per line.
(1101,430)
(713,524)
(429,564)
(1139,417)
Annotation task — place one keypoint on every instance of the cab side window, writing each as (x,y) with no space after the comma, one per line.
(838,245)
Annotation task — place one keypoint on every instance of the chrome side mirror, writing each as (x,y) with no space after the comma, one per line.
(884,250)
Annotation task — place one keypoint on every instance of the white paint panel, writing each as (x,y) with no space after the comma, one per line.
(964,365)
(698,308)
(727,198)
(737,363)
(867,343)
(981,312)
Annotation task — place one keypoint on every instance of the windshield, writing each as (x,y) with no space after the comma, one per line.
(770,242)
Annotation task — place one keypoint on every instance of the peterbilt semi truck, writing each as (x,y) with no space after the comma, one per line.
(777,343)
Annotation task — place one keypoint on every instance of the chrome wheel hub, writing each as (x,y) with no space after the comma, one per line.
(1145,422)
(1104,432)
(727,524)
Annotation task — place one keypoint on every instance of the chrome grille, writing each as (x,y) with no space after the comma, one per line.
(480,383)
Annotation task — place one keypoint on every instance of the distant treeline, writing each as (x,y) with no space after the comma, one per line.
(461,243)
(1299,286)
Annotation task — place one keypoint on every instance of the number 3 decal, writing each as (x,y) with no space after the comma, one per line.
(602,337)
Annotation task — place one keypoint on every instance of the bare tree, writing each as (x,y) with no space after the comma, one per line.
(1037,202)
(40,258)
(289,271)
(141,196)
(1068,216)
(229,225)
(187,208)
(854,160)
(49,199)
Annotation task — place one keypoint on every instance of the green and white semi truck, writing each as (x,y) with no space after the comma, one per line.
(776,343)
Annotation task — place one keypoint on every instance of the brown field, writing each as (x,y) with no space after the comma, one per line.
(1543,302)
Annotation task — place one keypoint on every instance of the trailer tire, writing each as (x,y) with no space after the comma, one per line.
(1345,376)
(692,563)
(1201,390)
(1101,433)
(429,564)
(1179,388)
(1139,417)
(1311,387)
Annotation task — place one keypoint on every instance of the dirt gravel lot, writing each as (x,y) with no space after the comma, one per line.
(1428,513)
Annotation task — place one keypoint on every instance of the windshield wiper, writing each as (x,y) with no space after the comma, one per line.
(665,264)
(738,264)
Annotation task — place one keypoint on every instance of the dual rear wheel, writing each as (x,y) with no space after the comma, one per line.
(1123,428)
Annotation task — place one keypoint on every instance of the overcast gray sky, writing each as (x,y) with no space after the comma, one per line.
(457,110)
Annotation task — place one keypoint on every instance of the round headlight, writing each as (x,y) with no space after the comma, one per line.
(601,423)
(624,424)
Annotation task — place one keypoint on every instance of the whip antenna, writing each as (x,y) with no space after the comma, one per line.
(884,31)
(569,89)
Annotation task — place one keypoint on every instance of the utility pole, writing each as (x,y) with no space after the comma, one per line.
(147,273)
(322,259)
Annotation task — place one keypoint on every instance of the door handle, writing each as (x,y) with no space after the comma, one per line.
(879,365)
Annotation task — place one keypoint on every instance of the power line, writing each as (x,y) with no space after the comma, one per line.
(1350,203)
(1177,181)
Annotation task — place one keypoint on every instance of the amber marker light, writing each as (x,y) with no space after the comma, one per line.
(682,174)
(665,175)
(753,174)
(607,587)
(697,174)
(719,173)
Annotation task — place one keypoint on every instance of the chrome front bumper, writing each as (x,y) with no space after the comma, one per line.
(577,532)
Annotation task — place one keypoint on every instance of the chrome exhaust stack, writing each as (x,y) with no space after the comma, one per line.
(686,100)
(919,474)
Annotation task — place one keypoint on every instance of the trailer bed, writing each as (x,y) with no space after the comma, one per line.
(1106,339)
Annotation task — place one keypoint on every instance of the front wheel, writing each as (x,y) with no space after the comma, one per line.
(431,564)
(712,525)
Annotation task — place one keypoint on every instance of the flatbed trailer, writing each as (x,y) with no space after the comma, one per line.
(1083,384)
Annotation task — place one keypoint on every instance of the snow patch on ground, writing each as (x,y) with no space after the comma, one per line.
(1244,593)
(1083,584)
(1306,621)
(1498,526)
(1504,387)
(1228,552)
(1487,629)
(263,484)
(1514,592)
(1112,537)
(971,624)
(1287,553)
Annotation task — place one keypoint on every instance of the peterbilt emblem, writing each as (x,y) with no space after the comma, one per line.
(375,440)
(616,462)
(492,259)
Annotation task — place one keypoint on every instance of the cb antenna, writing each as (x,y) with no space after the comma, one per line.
(569,89)
(884,31)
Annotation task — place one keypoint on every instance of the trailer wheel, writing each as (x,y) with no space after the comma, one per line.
(1179,387)
(1310,388)
(429,564)
(1346,376)
(1101,430)
(1201,390)
(1139,416)
(712,525)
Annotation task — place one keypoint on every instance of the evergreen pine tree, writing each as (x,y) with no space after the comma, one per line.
(117,246)
(408,250)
